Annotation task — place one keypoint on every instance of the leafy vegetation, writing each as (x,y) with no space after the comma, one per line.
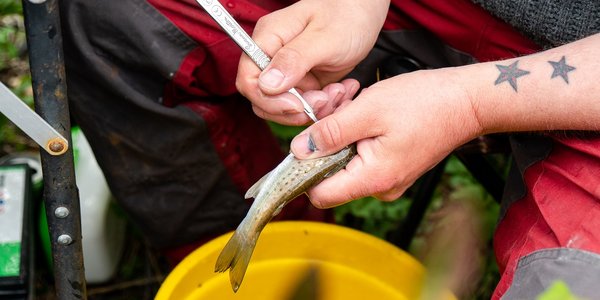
(14,72)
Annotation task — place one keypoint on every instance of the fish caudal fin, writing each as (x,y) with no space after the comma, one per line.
(236,256)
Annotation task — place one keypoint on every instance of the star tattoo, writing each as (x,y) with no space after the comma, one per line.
(510,73)
(561,69)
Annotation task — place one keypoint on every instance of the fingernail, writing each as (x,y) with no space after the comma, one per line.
(272,78)
(337,97)
(354,88)
(311,144)
(303,145)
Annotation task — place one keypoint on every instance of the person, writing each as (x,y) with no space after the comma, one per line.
(152,85)
(522,67)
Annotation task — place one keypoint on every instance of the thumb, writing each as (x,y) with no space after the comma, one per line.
(291,64)
(331,134)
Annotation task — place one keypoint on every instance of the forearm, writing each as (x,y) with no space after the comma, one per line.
(553,90)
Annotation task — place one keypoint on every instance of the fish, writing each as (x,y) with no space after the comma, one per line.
(271,193)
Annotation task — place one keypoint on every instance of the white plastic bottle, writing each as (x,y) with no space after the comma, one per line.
(102,227)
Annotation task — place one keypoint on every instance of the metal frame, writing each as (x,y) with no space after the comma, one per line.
(44,40)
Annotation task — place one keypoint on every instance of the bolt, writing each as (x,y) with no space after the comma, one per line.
(57,147)
(61,212)
(64,239)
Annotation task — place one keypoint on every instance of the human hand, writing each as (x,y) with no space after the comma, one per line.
(312,43)
(403,126)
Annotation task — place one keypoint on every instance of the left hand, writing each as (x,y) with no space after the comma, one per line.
(312,43)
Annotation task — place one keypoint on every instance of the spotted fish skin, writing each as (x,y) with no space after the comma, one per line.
(288,180)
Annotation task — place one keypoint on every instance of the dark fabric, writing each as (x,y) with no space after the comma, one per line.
(211,69)
(158,161)
(461,25)
(527,149)
(152,87)
(205,82)
(400,51)
(580,270)
(550,23)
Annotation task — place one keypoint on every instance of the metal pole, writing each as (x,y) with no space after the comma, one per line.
(44,39)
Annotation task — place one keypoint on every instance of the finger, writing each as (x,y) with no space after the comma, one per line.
(324,102)
(338,94)
(285,103)
(292,119)
(292,62)
(347,87)
(339,188)
(246,80)
(336,131)
(318,101)
(352,86)
(359,179)
(272,32)
(270,35)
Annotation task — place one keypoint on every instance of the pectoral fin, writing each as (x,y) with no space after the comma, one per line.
(255,188)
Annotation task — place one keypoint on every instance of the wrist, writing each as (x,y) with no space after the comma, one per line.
(492,108)
(472,123)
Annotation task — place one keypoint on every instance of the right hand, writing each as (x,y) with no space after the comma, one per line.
(402,127)
(312,43)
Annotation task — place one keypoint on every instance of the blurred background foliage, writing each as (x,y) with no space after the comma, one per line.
(453,241)
(14,72)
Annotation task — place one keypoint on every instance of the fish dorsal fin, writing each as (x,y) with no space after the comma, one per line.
(278,210)
(255,189)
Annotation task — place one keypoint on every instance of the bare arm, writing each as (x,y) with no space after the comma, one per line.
(555,89)
(405,125)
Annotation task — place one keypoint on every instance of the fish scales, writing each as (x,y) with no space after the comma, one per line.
(288,180)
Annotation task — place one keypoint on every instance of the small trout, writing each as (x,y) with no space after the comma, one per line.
(271,193)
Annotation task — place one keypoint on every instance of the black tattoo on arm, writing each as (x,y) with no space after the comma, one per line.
(561,69)
(510,74)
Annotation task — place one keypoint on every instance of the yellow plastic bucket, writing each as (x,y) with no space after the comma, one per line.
(349,264)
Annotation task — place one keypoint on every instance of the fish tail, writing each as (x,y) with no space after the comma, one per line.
(236,256)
